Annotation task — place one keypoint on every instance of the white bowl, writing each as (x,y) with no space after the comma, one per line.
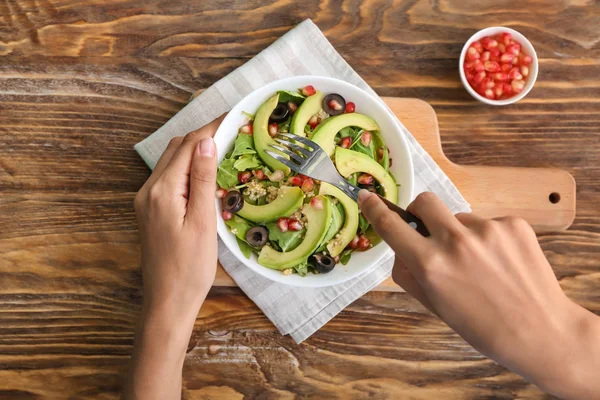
(525,45)
(402,169)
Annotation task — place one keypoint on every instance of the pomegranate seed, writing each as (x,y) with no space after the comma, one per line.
(227,215)
(491,66)
(313,122)
(479,77)
(470,76)
(514,49)
(495,53)
(524,70)
(506,67)
(501,47)
(294,225)
(273,128)
(488,83)
(515,61)
(346,142)
(365,179)
(282,224)
(506,38)
(478,66)
(473,54)
(380,153)
(507,89)
(335,105)
(477,46)
(259,174)
(308,90)
(515,74)
(316,203)
(354,242)
(498,91)
(481,88)
(295,181)
(244,176)
(247,129)
(489,43)
(507,58)
(517,85)
(489,93)
(470,64)
(350,107)
(277,176)
(220,193)
(501,77)
(308,185)
(485,56)
(366,138)
(363,243)
(526,60)
(292,107)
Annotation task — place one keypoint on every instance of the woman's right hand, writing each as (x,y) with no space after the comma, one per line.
(490,281)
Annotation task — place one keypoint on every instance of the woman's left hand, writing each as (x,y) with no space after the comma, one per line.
(177,220)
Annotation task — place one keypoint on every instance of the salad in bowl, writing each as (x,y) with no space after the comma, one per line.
(290,227)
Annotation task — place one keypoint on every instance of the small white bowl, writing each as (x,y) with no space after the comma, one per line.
(402,170)
(525,45)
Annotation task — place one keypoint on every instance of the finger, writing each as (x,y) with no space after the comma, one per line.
(164,159)
(470,220)
(203,175)
(406,280)
(438,219)
(406,242)
(178,168)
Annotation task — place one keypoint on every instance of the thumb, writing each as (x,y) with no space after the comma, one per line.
(203,175)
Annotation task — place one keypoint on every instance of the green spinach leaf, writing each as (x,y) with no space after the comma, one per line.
(245,248)
(239,226)
(363,224)
(246,161)
(227,175)
(347,131)
(345,256)
(379,143)
(244,144)
(373,237)
(302,268)
(287,241)
(287,95)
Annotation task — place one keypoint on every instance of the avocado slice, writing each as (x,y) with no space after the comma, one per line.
(288,201)
(348,230)
(309,107)
(324,134)
(349,161)
(317,225)
(262,139)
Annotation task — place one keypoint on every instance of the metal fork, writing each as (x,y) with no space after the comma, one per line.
(315,163)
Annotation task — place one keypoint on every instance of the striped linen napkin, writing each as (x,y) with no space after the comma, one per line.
(304,50)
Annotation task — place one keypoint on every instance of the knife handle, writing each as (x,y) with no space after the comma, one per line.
(409,218)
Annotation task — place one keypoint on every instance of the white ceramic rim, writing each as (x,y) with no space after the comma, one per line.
(408,186)
(526,44)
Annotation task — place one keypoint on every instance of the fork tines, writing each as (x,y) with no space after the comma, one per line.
(295,160)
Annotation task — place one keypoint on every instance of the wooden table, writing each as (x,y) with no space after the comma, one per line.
(82,81)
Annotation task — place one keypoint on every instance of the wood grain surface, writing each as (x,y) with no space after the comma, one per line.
(82,81)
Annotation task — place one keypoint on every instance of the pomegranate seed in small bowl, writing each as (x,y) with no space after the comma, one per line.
(498,66)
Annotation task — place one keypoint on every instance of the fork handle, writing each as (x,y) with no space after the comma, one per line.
(409,218)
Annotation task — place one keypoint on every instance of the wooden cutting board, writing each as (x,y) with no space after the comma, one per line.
(545,197)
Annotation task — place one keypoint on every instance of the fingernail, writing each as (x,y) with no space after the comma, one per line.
(363,195)
(207,147)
